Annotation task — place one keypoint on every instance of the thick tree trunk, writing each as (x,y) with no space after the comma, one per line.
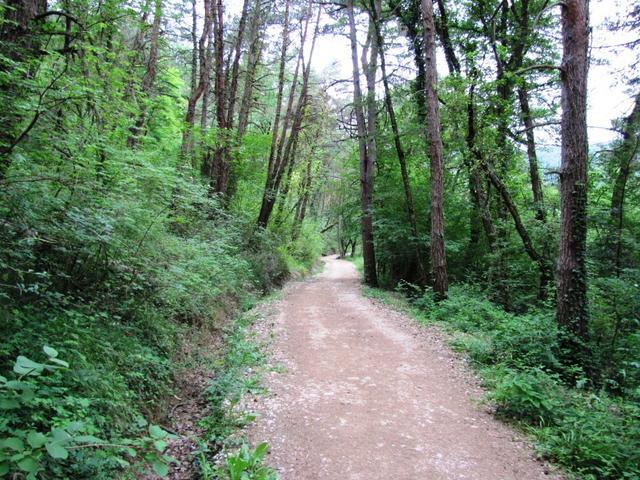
(571,297)
(436,157)
(220,168)
(408,195)
(366,170)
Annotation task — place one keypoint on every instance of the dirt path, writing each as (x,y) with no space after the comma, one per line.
(367,395)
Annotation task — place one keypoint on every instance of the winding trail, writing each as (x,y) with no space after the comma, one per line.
(366,394)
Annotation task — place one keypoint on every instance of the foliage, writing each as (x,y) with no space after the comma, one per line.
(247,464)
(31,444)
(593,434)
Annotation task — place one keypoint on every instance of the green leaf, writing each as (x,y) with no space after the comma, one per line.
(4,468)
(51,352)
(36,439)
(29,465)
(62,363)
(27,395)
(157,432)
(9,404)
(26,366)
(160,468)
(14,443)
(60,435)
(260,451)
(160,445)
(123,463)
(57,451)
(74,427)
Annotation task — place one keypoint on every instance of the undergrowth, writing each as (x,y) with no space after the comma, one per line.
(241,370)
(115,282)
(578,423)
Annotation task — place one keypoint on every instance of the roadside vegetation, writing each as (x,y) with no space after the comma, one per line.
(165,163)
(591,432)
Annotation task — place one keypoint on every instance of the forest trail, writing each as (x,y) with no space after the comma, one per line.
(366,394)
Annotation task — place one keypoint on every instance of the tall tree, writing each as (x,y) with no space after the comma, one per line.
(436,156)
(571,311)
(374,9)
(366,165)
(202,81)
(626,155)
(149,78)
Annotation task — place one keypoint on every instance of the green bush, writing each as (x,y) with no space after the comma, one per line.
(527,340)
(529,395)
(467,310)
(597,438)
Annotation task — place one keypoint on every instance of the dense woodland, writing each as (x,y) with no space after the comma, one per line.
(165,163)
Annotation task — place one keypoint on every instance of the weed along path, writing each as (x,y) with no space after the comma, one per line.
(364,394)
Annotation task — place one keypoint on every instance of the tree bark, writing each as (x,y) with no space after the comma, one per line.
(19,44)
(366,169)
(572,314)
(436,156)
(204,71)
(534,173)
(220,168)
(253,59)
(285,149)
(408,195)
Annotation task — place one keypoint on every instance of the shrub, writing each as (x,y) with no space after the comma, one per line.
(529,395)
(597,437)
(528,340)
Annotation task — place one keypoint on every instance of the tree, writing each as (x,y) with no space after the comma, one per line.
(436,156)
(571,295)
(367,164)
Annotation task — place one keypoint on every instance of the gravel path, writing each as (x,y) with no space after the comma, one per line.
(366,395)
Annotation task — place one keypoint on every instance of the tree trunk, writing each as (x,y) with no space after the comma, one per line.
(571,292)
(253,59)
(262,217)
(279,161)
(408,195)
(220,169)
(445,39)
(626,153)
(436,156)
(366,169)
(204,71)
(149,78)
(534,173)
(19,44)
(409,17)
